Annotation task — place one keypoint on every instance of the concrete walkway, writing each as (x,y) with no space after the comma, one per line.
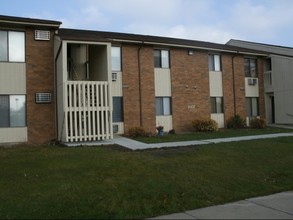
(136,145)
(276,206)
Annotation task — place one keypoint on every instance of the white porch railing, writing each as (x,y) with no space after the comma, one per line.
(88,115)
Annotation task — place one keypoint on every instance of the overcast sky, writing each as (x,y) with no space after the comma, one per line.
(264,21)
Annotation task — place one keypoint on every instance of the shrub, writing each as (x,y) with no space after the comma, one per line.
(172,131)
(137,132)
(236,122)
(257,123)
(205,125)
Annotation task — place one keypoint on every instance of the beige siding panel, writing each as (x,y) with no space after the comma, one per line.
(251,90)
(219,118)
(12,78)
(283,89)
(162,82)
(117,85)
(216,84)
(13,135)
(165,121)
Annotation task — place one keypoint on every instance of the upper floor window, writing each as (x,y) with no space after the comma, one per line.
(250,67)
(161,59)
(116,58)
(12,46)
(214,62)
(267,64)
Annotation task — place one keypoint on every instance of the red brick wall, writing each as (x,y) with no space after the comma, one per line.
(190,88)
(228,89)
(40,78)
(133,91)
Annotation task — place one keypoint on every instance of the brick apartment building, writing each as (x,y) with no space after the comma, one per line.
(86,85)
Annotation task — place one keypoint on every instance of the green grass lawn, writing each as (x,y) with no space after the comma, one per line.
(222,133)
(111,182)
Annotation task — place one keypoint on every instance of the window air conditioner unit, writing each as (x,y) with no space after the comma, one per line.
(114,76)
(252,81)
(42,35)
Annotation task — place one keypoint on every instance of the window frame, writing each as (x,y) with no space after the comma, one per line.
(161,62)
(214,105)
(11,113)
(115,110)
(212,66)
(9,44)
(161,110)
(248,70)
(120,58)
(250,108)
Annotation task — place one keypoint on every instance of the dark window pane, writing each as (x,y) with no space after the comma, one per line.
(157,58)
(247,67)
(117,109)
(159,106)
(211,63)
(4,111)
(252,107)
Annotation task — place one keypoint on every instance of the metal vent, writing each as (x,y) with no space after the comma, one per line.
(43,97)
(42,35)
(252,81)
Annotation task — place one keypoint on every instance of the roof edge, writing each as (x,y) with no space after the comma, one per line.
(29,21)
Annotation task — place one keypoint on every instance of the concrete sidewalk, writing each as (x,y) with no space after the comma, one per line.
(276,206)
(135,145)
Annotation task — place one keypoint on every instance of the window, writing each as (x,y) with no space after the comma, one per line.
(163,106)
(217,105)
(268,64)
(161,58)
(214,62)
(250,67)
(252,107)
(12,46)
(117,109)
(116,58)
(12,111)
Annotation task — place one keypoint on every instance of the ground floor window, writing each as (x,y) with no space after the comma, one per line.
(252,109)
(217,105)
(117,109)
(163,106)
(12,111)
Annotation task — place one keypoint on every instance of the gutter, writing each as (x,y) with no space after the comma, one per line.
(188,46)
(139,85)
(55,89)
(30,23)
